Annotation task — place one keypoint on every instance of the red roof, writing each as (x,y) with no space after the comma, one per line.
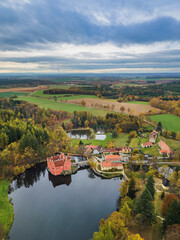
(147,144)
(91,146)
(164,148)
(59,163)
(113,158)
(111,164)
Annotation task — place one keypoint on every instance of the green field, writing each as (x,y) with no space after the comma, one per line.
(169,121)
(8,94)
(47,103)
(120,141)
(60,96)
(6,209)
(139,102)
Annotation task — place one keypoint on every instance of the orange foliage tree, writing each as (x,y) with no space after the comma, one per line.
(169,198)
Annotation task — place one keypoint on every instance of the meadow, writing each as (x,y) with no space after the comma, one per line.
(60,96)
(8,94)
(6,209)
(139,102)
(52,104)
(169,121)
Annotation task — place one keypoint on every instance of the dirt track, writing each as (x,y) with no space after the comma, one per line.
(115,106)
(24,89)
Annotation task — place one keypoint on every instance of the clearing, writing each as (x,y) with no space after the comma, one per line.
(115,106)
(169,121)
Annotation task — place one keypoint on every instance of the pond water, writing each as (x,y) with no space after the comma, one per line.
(70,207)
(85,134)
(80,134)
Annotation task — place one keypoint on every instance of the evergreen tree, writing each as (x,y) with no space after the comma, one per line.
(173,215)
(145,207)
(150,185)
(132,189)
(159,127)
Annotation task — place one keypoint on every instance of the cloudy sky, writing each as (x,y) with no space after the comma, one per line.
(90,36)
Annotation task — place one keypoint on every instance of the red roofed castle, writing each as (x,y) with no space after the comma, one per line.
(59,164)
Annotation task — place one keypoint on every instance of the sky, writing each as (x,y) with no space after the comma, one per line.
(89,36)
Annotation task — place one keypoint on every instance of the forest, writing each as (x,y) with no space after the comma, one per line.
(119,122)
(28,134)
(168,91)
(170,106)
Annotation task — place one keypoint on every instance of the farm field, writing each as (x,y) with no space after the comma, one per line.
(23,89)
(136,108)
(47,103)
(169,121)
(60,96)
(8,94)
(120,141)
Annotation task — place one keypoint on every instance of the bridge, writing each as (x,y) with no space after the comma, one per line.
(81,163)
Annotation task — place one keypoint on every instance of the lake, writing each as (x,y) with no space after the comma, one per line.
(66,208)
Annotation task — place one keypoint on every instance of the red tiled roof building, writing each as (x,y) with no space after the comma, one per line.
(164,148)
(58,164)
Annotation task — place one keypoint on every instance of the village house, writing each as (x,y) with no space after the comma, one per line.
(114,158)
(105,165)
(153,136)
(94,149)
(165,149)
(59,164)
(112,161)
(117,150)
(147,144)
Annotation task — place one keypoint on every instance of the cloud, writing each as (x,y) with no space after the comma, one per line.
(88,34)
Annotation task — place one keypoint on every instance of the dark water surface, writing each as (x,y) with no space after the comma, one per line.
(63,208)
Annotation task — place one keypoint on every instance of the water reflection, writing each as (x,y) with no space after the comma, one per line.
(59,180)
(28,178)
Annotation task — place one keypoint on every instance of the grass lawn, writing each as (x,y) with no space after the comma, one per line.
(47,103)
(61,96)
(169,121)
(8,94)
(134,143)
(139,102)
(6,209)
(121,140)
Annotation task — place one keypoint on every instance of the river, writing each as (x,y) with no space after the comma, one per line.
(63,208)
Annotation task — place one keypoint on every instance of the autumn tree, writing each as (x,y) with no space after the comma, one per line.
(173,214)
(122,108)
(83,103)
(169,198)
(105,233)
